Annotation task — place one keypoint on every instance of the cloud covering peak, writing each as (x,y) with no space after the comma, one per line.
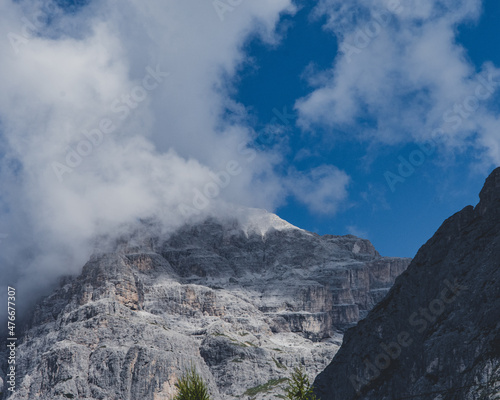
(118,111)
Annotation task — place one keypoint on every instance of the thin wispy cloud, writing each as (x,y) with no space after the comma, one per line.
(322,189)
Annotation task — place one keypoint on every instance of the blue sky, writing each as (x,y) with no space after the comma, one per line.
(115,112)
(397,223)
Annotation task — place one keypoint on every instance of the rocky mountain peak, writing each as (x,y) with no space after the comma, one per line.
(260,221)
(245,299)
(436,335)
(490,194)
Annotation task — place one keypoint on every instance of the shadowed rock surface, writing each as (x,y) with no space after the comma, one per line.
(444,314)
(245,302)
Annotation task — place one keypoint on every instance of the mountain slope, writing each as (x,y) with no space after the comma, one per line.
(437,333)
(244,301)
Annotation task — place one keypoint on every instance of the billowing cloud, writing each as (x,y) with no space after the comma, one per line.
(401,72)
(119,112)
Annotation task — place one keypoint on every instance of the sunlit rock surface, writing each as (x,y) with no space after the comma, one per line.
(245,301)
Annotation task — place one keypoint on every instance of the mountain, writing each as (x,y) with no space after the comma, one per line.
(244,300)
(437,333)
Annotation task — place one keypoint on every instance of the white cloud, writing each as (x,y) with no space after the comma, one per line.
(404,70)
(323,189)
(62,79)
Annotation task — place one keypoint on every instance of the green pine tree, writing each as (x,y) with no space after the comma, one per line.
(191,387)
(299,387)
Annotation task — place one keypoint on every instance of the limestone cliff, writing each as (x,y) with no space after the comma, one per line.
(243,302)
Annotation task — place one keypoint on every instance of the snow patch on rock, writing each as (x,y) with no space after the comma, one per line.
(260,221)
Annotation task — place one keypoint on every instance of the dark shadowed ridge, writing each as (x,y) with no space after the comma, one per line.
(436,335)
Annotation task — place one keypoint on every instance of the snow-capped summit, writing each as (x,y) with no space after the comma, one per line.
(259,221)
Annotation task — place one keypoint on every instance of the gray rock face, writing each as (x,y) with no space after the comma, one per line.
(244,303)
(437,333)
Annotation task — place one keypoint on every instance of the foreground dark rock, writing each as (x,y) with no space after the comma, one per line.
(244,302)
(437,333)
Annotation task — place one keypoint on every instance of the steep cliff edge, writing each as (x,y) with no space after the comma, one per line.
(245,302)
(437,333)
